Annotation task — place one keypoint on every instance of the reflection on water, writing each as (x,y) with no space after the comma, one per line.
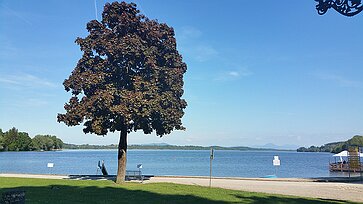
(343,174)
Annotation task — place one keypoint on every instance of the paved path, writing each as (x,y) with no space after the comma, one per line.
(283,186)
(294,187)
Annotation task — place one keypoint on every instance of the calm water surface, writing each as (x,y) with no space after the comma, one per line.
(171,162)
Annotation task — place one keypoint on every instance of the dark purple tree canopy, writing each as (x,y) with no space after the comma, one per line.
(130,74)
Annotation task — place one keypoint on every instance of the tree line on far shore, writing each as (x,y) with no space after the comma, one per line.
(160,146)
(335,147)
(13,140)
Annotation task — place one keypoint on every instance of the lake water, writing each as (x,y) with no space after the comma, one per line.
(171,162)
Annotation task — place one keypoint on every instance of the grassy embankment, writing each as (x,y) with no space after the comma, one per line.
(73,191)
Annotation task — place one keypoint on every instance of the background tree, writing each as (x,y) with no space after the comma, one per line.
(1,140)
(46,143)
(13,140)
(129,78)
(57,143)
(356,140)
(335,147)
(16,141)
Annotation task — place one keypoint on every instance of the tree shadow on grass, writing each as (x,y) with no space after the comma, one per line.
(270,199)
(108,177)
(91,177)
(92,194)
(155,193)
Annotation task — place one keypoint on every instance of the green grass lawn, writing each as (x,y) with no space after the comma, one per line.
(73,191)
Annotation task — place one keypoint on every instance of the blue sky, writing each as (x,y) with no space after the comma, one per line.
(258,71)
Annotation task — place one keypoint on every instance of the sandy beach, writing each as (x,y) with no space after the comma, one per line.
(295,187)
(284,186)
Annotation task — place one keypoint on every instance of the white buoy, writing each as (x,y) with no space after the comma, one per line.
(276,162)
(50,166)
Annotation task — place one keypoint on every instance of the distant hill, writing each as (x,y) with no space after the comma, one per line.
(280,147)
(164,146)
(335,147)
(88,146)
(157,144)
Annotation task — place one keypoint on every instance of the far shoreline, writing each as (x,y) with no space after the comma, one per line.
(132,149)
(164,146)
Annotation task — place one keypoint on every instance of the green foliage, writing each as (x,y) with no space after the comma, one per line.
(355,141)
(46,143)
(2,145)
(302,149)
(335,147)
(13,140)
(129,77)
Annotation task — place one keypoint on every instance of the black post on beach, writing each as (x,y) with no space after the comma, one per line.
(210,166)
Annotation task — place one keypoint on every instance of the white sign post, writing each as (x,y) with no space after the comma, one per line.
(276,163)
(210,167)
(50,166)
(139,166)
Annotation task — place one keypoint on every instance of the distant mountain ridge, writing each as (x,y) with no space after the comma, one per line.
(280,147)
(156,144)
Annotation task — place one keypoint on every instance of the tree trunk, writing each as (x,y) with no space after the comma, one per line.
(122,148)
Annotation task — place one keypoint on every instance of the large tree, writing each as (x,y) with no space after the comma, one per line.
(129,78)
